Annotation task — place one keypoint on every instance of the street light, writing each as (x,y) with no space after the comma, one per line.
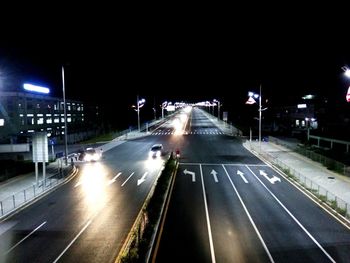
(139,105)
(65,118)
(218,102)
(164,105)
(347,73)
(251,100)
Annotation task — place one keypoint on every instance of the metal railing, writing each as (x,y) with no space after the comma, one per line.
(28,194)
(324,195)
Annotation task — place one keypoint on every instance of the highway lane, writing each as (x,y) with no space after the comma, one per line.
(228,206)
(88,218)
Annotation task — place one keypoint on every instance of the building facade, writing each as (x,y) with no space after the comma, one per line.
(24,113)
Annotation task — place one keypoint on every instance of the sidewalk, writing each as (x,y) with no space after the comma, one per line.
(335,188)
(20,190)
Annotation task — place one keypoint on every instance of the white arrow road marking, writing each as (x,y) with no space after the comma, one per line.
(78,183)
(214,173)
(143,178)
(191,173)
(114,179)
(271,180)
(242,176)
(127,179)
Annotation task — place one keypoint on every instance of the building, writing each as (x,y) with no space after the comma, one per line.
(23,113)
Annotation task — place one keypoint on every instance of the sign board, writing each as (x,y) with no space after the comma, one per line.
(224,116)
(170,108)
(40,147)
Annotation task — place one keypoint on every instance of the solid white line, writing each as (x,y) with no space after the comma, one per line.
(128,178)
(293,217)
(71,243)
(249,216)
(227,164)
(8,251)
(208,219)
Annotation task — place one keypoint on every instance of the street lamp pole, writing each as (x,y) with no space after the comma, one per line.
(138,112)
(260,113)
(65,118)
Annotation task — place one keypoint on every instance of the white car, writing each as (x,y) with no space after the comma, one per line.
(91,155)
(156,151)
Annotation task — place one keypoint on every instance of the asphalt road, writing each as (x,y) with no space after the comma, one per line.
(88,218)
(228,206)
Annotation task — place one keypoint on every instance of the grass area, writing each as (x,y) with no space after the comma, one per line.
(101,138)
(147,227)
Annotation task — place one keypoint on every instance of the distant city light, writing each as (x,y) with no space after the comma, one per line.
(31,87)
(308,97)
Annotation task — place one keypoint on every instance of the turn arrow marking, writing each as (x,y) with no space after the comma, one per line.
(271,180)
(191,173)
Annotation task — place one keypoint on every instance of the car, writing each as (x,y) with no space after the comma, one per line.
(156,150)
(91,155)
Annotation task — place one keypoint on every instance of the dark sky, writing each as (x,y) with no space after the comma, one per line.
(187,59)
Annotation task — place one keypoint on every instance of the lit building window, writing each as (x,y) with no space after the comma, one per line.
(2,122)
(49,120)
(297,123)
(56,120)
(69,119)
(302,123)
(40,121)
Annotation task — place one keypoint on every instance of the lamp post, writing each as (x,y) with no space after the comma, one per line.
(65,119)
(252,101)
(218,102)
(139,105)
(347,74)
(164,104)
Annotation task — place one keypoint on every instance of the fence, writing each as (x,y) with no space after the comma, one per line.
(28,194)
(327,162)
(323,194)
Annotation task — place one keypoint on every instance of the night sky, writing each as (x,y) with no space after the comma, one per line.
(179,60)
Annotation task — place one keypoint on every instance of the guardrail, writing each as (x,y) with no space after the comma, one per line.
(28,194)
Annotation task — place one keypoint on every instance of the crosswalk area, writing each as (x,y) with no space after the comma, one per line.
(212,131)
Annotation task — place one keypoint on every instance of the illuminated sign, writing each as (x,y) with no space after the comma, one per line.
(170,108)
(31,87)
(302,106)
(348,95)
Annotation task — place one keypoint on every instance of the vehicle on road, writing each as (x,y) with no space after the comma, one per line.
(156,150)
(91,154)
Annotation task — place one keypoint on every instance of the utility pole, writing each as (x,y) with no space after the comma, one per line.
(65,119)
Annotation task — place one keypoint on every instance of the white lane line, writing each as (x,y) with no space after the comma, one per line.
(227,164)
(249,216)
(293,217)
(71,243)
(8,251)
(128,178)
(208,219)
